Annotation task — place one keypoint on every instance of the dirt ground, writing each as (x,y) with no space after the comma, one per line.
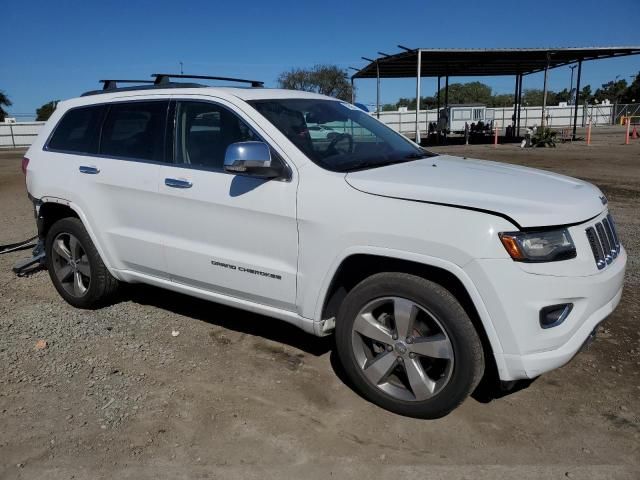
(235,395)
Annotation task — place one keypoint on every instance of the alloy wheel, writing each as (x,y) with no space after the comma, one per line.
(402,348)
(71,264)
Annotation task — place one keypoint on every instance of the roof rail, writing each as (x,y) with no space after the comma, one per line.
(111,84)
(161,78)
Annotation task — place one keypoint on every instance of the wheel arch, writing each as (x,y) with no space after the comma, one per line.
(356,266)
(50,212)
(51,209)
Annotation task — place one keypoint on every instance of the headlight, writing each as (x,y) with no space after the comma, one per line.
(545,246)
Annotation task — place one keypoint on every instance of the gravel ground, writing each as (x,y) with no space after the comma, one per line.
(115,393)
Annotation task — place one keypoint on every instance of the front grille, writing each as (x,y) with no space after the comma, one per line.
(604,242)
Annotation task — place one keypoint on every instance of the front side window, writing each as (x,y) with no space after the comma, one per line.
(204,130)
(135,130)
(336,135)
(78,131)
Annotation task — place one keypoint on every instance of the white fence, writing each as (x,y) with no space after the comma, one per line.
(19,134)
(22,134)
(405,122)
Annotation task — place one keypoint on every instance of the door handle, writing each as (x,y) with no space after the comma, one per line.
(177,183)
(89,169)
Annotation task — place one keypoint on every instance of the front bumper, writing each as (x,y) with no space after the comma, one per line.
(514,296)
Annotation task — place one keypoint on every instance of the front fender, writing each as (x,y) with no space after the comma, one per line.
(422,259)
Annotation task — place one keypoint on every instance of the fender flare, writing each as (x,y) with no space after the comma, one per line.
(426,260)
(87,225)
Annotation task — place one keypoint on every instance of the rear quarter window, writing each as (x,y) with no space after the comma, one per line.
(78,131)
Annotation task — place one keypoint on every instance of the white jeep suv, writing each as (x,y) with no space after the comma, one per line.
(430,270)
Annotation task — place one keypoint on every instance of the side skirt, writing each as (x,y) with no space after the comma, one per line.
(305,324)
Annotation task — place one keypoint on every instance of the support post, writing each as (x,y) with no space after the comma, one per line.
(438,105)
(353,92)
(626,137)
(446,92)
(446,107)
(544,94)
(418,75)
(572,67)
(575,109)
(377,90)
(519,102)
(13,139)
(515,107)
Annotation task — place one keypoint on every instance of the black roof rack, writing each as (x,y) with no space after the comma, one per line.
(162,78)
(151,86)
(111,84)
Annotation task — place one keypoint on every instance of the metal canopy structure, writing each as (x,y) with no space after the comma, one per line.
(444,62)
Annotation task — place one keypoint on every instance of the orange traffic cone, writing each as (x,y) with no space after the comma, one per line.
(634,134)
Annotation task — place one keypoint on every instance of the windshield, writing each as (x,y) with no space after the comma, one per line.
(336,135)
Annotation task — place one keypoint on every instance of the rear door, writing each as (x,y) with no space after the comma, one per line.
(116,183)
(132,149)
(226,233)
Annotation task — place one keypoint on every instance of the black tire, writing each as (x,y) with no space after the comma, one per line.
(468,356)
(102,285)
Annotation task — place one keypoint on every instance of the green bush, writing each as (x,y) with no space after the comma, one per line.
(544,137)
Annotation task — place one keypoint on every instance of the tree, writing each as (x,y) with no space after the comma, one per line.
(410,103)
(477,92)
(472,92)
(44,112)
(632,94)
(389,107)
(563,96)
(613,91)
(4,102)
(328,80)
(501,100)
(585,94)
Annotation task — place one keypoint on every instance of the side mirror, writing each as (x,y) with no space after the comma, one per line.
(252,159)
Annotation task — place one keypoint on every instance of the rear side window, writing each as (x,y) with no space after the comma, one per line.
(135,130)
(78,131)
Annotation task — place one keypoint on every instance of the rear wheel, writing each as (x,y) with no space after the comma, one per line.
(75,267)
(408,345)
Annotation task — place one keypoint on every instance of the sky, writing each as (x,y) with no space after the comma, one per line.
(53,50)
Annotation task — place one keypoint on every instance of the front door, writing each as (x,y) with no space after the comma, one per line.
(226,233)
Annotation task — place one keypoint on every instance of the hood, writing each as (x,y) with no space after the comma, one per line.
(528,197)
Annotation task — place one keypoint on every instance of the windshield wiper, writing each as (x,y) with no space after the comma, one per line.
(421,154)
(369,164)
(363,165)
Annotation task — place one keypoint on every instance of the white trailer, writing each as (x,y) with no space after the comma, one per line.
(454,117)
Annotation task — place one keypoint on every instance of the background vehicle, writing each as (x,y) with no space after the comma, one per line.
(321,132)
(432,270)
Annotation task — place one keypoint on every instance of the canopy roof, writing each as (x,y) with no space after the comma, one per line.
(436,62)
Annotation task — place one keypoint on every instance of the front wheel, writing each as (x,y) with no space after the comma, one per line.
(408,345)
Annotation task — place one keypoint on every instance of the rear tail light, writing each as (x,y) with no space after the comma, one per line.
(25,164)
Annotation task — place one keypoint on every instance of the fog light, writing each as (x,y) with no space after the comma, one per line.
(554,315)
